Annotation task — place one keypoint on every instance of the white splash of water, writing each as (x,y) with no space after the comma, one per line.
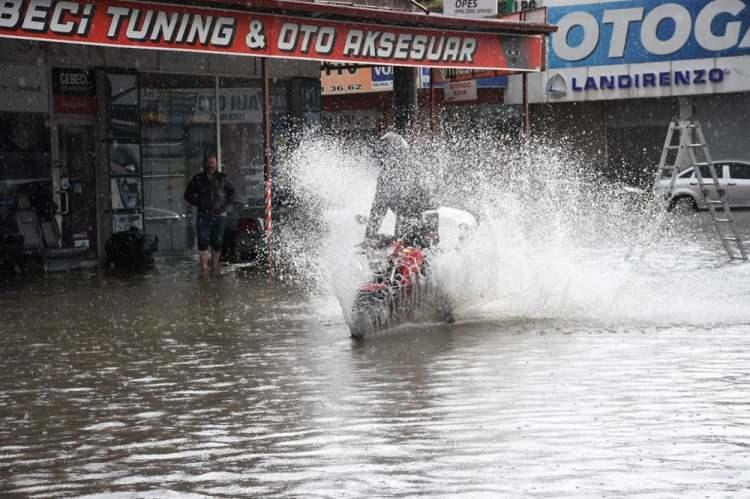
(555,241)
(335,182)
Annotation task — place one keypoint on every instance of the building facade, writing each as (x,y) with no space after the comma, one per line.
(107,109)
(111,136)
(617,72)
(358,101)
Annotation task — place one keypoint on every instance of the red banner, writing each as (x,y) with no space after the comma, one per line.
(172,27)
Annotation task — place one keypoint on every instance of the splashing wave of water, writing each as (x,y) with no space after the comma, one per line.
(555,240)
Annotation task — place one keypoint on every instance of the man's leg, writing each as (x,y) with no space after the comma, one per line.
(204,242)
(217,240)
(215,259)
(205,257)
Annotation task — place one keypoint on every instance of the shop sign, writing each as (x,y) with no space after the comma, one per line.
(24,89)
(185,28)
(648,79)
(521,5)
(461,91)
(73,91)
(470,8)
(425,78)
(235,105)
(606,33)
(382,77)
(341,79)
(643,48)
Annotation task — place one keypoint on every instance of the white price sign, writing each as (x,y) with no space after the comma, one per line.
(461,91)
(470,8)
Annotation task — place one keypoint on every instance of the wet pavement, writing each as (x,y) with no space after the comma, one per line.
(170,384)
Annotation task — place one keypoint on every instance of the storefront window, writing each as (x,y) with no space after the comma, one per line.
(180,129)
(241,139)
(24,163)
(178,133)
(124,139)
(635,137)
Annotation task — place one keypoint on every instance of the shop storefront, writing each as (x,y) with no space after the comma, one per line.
(157,115)
(474,100)
(618,73)
(358,101)
(108,108)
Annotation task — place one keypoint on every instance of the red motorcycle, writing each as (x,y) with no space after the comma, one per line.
(400,288)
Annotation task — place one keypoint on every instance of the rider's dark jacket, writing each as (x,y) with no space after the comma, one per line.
(211,194)
(401,188)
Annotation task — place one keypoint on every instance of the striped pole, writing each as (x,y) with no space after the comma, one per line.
(267,163)
(268,222)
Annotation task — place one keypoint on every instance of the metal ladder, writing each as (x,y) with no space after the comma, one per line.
(692,151)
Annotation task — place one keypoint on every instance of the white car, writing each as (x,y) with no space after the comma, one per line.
(733,176)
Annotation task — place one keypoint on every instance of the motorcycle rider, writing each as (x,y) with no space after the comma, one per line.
(401,189)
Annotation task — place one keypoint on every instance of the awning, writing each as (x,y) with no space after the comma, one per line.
(284,29)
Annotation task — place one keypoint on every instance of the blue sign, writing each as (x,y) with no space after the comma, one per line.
(495,82)
(382,74)
(648,79)
(628,32)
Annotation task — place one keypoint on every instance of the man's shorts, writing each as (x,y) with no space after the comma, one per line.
(211,232)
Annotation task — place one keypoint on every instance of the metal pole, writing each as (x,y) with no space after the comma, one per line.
(526,125)
(404,98)
(267,177)
(433,104)
(217,110)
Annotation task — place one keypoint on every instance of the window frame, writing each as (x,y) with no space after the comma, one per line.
(737,164)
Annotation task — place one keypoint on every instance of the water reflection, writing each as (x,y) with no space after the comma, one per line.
(595,354)
(169,384)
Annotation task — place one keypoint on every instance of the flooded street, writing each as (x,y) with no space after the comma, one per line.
(469,252)
(601,349)
(169,384)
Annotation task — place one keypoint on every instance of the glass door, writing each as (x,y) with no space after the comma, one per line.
(74,182)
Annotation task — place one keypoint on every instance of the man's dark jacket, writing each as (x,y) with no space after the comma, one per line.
(213,195)
(401,189)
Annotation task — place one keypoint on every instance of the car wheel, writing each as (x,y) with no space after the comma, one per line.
(683,205)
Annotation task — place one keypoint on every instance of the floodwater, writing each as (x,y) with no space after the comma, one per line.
(599,351)
(170,384)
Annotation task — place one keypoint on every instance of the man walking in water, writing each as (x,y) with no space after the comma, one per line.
(213,195)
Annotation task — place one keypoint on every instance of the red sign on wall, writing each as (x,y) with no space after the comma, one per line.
(172,27)
(73,91)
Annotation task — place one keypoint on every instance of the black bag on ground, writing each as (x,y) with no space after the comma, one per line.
(131,249)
